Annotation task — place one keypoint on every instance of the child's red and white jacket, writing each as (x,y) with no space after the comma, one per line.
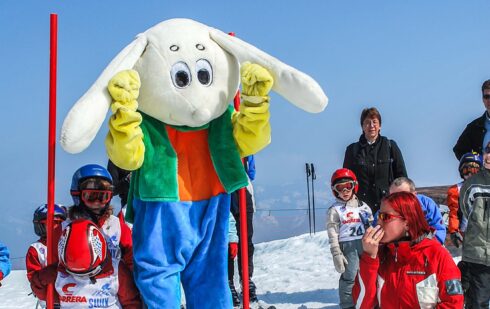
(120,246)
(38,274)
(407,275)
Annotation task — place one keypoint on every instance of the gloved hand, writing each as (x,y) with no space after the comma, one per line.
(124,88)
(124,142)
(339,259)
(1,278)
(256,82)
(233,250)
(251,126)
(456,239)
(48,274)
(43,277)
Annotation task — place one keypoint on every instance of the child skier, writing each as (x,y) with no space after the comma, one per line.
(39,273)
(469,165)
(86,277)
(347,220)
(91,190)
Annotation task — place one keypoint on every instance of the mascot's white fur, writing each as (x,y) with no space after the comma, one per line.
(151,56)
(176,77)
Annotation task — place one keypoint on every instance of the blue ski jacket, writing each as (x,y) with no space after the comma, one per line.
(433,216)
(4,260)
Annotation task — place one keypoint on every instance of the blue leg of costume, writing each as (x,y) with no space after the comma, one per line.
(188,240)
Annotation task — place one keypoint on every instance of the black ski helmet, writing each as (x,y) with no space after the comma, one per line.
(41,214)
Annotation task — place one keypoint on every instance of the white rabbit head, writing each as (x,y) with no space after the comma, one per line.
(189,74)
(186,78)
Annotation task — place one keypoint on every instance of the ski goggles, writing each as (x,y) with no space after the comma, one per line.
(92,197)
(386,217)
(45,221)
(341,186)
(470,168)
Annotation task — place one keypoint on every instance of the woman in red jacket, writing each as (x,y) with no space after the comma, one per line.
(403,266)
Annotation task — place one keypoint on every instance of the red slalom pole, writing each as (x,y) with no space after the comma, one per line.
(53,47)
(243,225)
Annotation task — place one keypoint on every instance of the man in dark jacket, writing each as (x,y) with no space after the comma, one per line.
(475,134)
(375,160)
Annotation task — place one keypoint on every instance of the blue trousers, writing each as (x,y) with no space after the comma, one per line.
(184,243)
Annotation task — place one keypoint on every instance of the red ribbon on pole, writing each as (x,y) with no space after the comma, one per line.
(243,225)
(51,149)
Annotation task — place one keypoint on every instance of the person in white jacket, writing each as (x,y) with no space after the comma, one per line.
(347,221)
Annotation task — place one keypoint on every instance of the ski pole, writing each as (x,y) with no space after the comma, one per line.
(242,200)
(51,149)
(313,177)
(308,173)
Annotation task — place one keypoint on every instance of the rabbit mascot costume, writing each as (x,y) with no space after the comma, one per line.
(172,125)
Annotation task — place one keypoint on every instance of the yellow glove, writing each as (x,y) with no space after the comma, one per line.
(251,127)
(124,142)
(256,80)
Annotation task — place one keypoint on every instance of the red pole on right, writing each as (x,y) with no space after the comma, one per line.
(51,150)
(243,226)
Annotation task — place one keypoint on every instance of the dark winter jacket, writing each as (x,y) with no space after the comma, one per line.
(474,201)
(406,275)
(375,166)
(472,137)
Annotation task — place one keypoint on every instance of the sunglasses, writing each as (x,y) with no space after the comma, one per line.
(486,96)
(386,217)
(92,197)
(340,187)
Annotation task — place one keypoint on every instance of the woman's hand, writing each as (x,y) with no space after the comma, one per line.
(370,241)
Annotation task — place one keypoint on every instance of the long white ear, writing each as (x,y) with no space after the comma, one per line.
(295,86)
(87,115)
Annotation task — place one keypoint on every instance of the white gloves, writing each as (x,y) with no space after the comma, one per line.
(339,259)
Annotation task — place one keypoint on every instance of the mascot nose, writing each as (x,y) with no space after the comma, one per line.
(201,115)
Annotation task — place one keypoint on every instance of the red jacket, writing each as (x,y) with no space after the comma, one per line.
(128,293)
(39,275)
(402,276)
(453,204)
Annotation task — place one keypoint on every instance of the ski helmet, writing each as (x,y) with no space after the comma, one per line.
(343,174)
(40,216)
(82,248)
(84,172)
(467,159)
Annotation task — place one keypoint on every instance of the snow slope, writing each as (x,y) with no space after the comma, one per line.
(297,273)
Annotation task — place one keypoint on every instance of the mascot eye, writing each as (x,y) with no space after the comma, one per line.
(204,72)
(181,75)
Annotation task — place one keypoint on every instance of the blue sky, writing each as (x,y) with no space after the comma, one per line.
(421,63)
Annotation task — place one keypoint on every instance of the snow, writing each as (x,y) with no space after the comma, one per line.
(297,273)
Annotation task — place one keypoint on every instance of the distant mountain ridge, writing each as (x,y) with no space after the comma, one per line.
(437,193)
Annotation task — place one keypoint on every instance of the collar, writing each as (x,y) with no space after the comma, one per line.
(402,250)
(353,202)
(364,142)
